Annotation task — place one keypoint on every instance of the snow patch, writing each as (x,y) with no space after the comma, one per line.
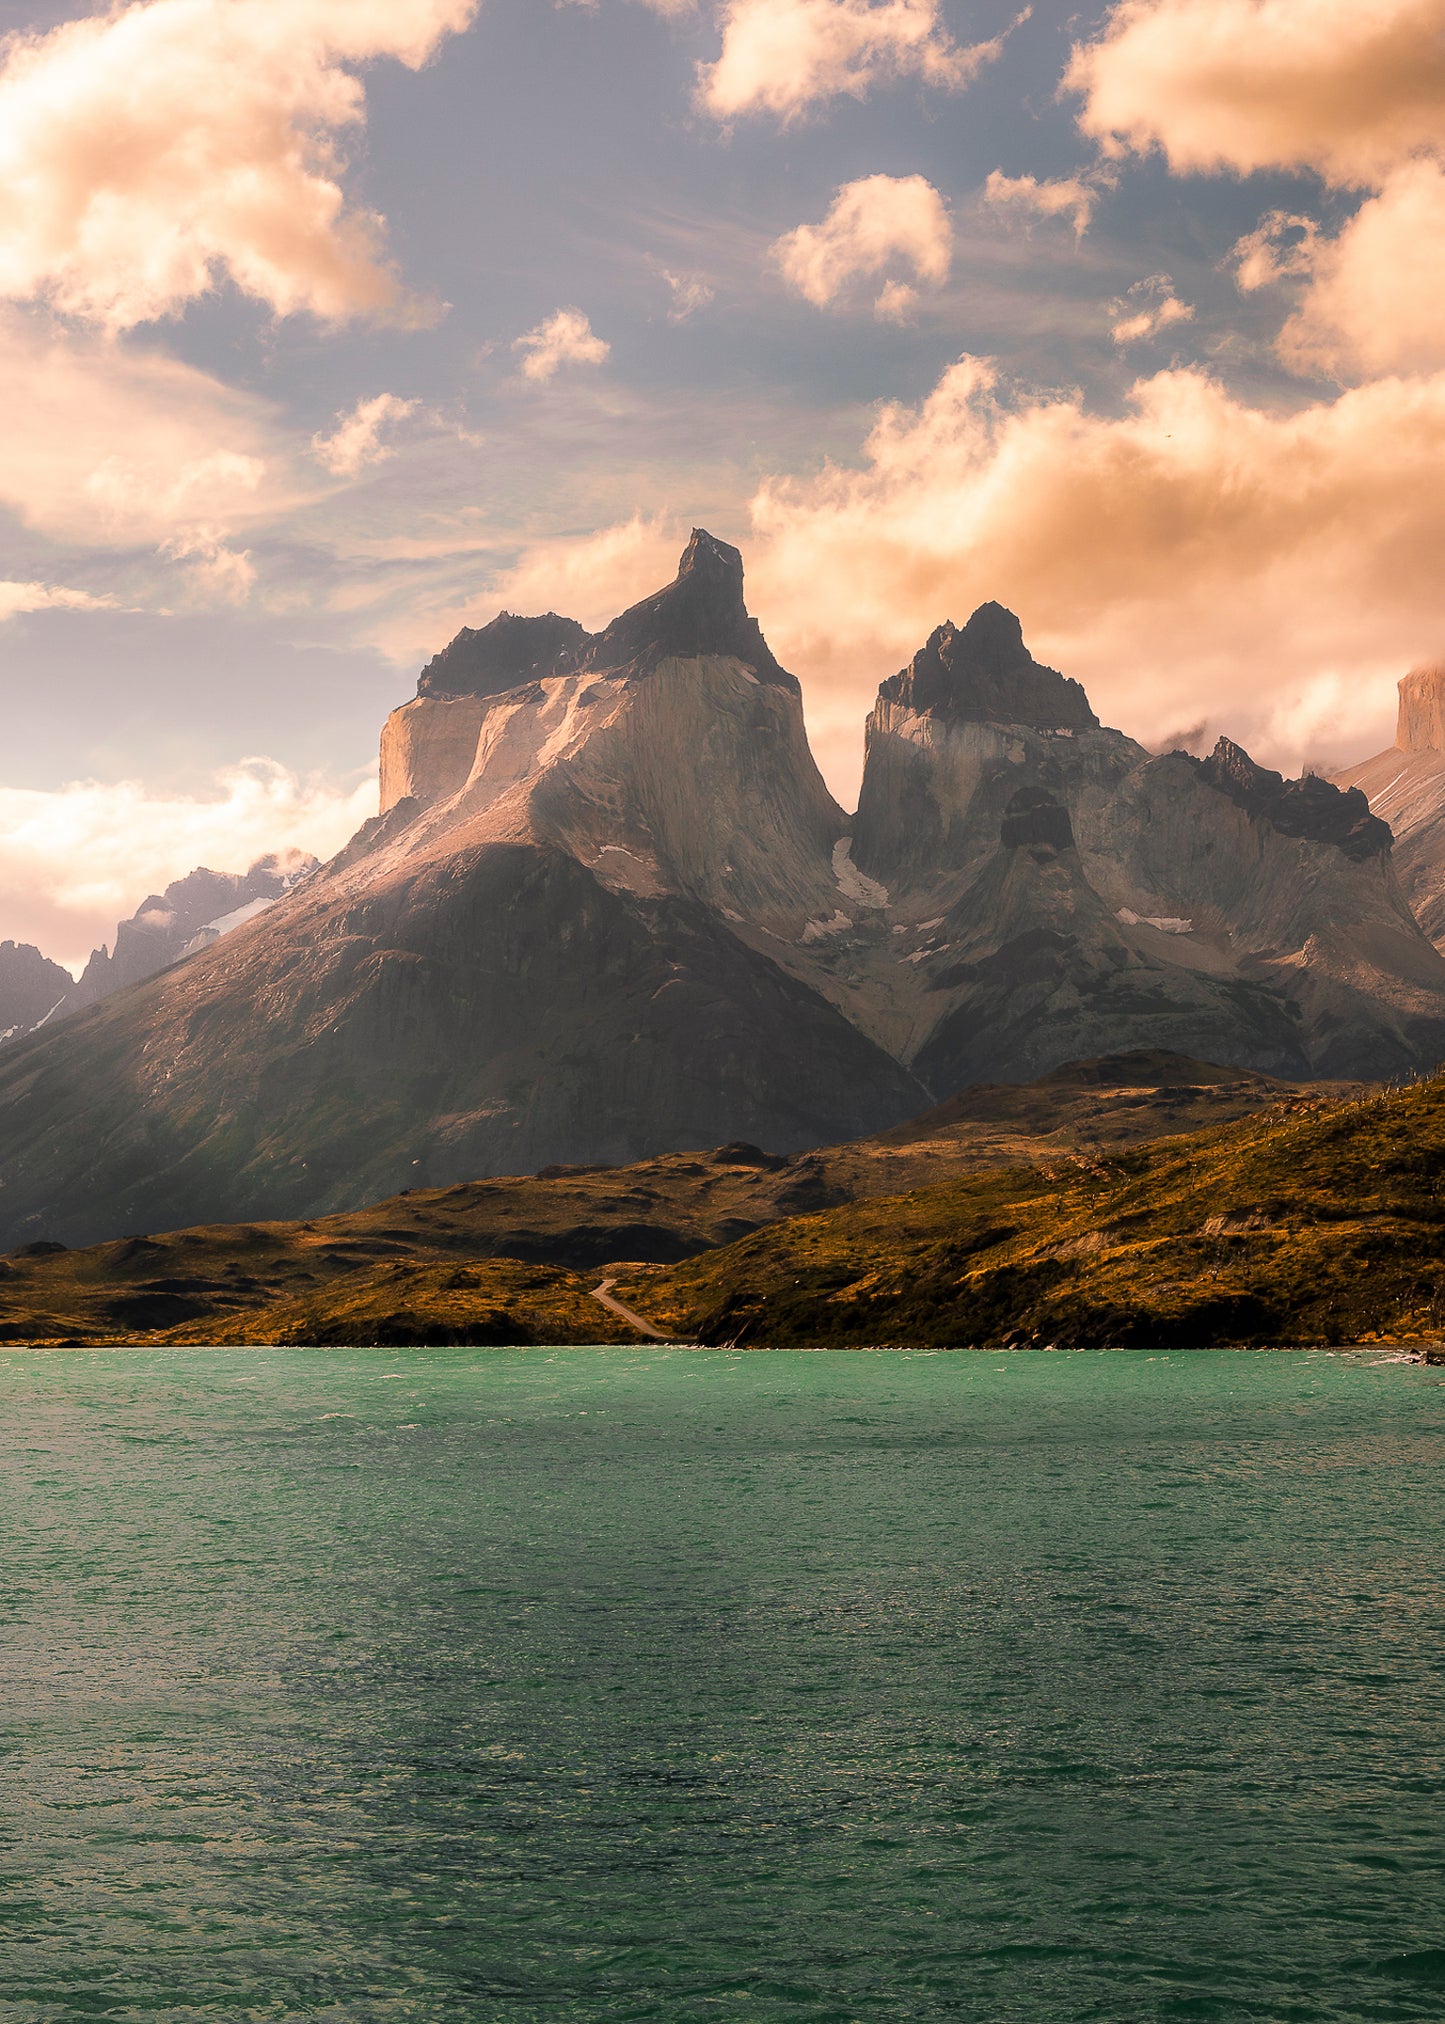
(1168,924)
(818,931)
(212,931)
(852,883)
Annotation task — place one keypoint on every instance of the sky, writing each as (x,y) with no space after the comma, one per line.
(329,326)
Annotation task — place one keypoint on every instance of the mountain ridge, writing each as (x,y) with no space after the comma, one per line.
(612,911)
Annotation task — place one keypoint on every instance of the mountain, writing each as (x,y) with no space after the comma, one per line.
(1042,888)
(1405,786)
(190,913)
(609,911)
(534,954)
(31,988)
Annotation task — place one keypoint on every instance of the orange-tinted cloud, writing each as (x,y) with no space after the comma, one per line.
(786,56)
(874,227)
(1283,566)
(147,152)
(1374,295)
(1350,88)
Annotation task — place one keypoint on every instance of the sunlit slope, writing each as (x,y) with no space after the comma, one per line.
(1314,1222)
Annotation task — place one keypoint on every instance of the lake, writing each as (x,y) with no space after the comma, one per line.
(614,1684)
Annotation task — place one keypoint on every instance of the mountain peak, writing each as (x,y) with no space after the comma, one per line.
(1311,807)
(700,612)
(1422,710)
(982,673)
(502,655)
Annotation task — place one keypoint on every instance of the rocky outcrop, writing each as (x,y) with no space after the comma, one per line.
(611,911)
(1405,788)
(1311,807)
(31,988)
(502,655)
(984,674)
(1051,884)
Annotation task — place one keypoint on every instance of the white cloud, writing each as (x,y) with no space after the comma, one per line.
(877,223)
(149,151)
(1350,88)
(356,441)
(564,339)
(1065,197)
(785,56)
(16,598)
(1159,308)
(74,862)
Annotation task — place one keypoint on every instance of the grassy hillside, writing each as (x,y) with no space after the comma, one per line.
(1319,1218)
(1312,1222)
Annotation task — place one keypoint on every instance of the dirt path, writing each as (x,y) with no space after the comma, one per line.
(627,1314)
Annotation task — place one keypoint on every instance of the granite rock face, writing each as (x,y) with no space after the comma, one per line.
(1405,788)
(611,912)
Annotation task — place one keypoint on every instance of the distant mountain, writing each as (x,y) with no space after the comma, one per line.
(31,988)
(610,911)
(190,913)
(1405,785)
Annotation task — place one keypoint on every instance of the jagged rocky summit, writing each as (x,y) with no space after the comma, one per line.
(609,910)
(32,988)
(1405,785)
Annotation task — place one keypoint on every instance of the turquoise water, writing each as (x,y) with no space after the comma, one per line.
(588,1685)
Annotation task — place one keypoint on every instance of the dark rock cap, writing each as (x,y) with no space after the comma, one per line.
(700,612)
(502,655)
(1312,807)
(984,674)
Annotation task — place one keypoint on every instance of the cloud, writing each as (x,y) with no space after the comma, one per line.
(149,151)
(74,862)
(1065,197)
(1285,566)
(1161,309)
(877,223)
(103,445)
(1374,295)
(593,578)
(356,441)
(690,292)
(564,339)
(1345,88)
(785,56)
(16,598)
